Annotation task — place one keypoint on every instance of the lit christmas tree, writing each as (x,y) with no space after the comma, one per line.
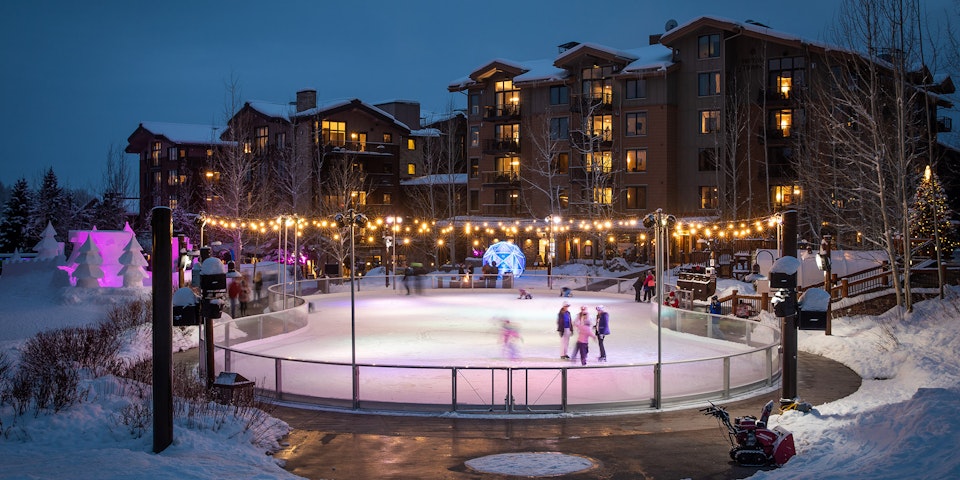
(88,272)
(133,262)
(931,217)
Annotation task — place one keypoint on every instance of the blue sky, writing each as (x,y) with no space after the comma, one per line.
(78,77)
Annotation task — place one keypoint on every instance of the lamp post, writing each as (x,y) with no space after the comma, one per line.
(823,261)
(394,224)
(353,219)
(661,225)
(552,222)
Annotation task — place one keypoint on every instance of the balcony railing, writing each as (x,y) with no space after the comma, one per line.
(500,209)
(505,177)
(501,145)
(502,112)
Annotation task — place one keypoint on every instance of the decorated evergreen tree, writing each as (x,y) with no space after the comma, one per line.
(931,217)
(16,217)
(133,262)
(88,272)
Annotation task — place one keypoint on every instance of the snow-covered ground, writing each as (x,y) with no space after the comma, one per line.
(898,425)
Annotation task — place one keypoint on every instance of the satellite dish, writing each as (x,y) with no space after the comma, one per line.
(670,25)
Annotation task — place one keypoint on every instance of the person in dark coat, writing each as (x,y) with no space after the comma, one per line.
(638,288)
(565,329)
(602,329)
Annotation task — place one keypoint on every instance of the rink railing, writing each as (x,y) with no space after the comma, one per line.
(506,389)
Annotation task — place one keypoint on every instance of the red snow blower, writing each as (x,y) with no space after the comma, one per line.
(753,444)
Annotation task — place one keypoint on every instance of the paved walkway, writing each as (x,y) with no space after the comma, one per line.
(665,445)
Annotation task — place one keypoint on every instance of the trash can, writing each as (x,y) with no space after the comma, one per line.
(232,388)
(507,280)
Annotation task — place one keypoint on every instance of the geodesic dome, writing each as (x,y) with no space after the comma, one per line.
(509,258)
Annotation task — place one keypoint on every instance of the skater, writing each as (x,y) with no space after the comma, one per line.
(258,283)
(234,292)
(584,332)
(407,273)
(509,336)
(244,296)
(565,329)
(565,292)
(583,317)
(524,295)
(602,329)
(716,309)
(672,300)
(639,287)
(649,285)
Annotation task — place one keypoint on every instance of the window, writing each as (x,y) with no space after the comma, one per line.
(172,177)
(172,153)
(360,141)
(334,133)
(559,128)
(474,167)
(786,195)
(603,127)
(707,160)
(247,146)
(387,199)
(387,138)
(474,101)
(474,136)
(708,46)
(388,168)
(709,198)
(709,84)
(597,85)
(562,163)
(280,139)
(155,153)
(563,198)
(172,202)
(636,197)
(636,88)
(598,161)
(636,124)
(411,144)
(781,121)
(157,178)
(411,169)
(508,135)
(559,95)
(637,160)
(603,195)
(785,75)
(474,199)
(508,168)
(709,121)
(263,133)
(358,197)
(507,98)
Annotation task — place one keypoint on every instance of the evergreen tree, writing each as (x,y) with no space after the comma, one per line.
(88,272)
(931,217)
(16,217)
(133,271)
(50,207)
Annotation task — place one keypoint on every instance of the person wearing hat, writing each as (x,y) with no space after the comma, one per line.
(602,329)
(715,305)
(584,332)
(565,329)
(672,300)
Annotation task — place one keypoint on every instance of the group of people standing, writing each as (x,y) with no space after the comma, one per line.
(644,288)
(582,329)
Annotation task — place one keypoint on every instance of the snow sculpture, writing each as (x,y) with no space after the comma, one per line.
(88,271)
(133,262)
(48,248)
(508,257)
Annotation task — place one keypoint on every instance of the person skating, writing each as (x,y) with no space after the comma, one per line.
(639,285)
(649,285)
(584,332)
(565,329)
(583,317)
(602,329)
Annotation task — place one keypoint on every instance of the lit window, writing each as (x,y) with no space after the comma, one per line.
(387,199)
(247,146)
(636,124)
(387,138)
(709,121)
(786,74)
(603,195)
(786,195)
(507,98)
(598,161)
(637,160)
(411,169)
(636,197)
(603,127)
(334,133)
(782,121)
(261,139)
(172,177)
(562,163)
(411,144)
(708,46)
(474,136)
(155,153)
(709,198)
(474,167)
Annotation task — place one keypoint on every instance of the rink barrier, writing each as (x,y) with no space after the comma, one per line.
(508,389)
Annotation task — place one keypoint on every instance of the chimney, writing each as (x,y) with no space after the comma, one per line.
(655,39)
(306,99)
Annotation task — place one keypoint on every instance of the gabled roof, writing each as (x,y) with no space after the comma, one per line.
(438,179)
(272,110)
(176,133)
(347,105)
(747,28)
(575,55)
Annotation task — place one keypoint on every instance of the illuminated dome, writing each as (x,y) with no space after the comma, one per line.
(509,258)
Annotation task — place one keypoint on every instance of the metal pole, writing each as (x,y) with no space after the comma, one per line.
(789,323)
(162,328)
(353,323)
(658,269)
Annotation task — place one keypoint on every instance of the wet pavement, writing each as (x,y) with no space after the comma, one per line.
(660,445)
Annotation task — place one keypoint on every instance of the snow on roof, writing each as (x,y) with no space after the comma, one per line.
(439,179)
(271,109)
(650,58)
(540,70)
(788,265)
(425,132)
(186,133)
(814,300)
(320,109)
(594,46)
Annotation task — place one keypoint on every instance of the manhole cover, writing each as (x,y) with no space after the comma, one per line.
(531,464)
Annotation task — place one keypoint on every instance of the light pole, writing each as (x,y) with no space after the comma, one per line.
(394,224)
(661,225)
(353,219)
(552,222)
(823,261)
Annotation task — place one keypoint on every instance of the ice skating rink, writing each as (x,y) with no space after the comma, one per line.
(402,341)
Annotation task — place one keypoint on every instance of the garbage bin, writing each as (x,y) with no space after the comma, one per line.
(232,388)
(507,280)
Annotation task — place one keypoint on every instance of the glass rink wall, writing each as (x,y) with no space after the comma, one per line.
(268,350)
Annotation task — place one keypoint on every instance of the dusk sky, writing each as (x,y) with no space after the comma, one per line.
(78,77)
